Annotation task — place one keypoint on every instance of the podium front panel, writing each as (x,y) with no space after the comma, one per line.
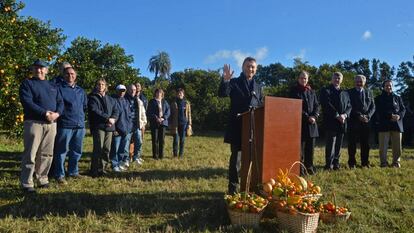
(278,135)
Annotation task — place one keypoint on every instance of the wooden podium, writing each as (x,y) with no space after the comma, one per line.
(277,139)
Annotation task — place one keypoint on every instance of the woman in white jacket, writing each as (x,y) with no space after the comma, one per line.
(139,120)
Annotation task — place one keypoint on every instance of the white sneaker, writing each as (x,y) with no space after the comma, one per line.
(126,163)
(138,162)
(122,168)
(116,169)
(141,160)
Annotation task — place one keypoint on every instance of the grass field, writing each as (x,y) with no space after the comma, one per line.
(187,195)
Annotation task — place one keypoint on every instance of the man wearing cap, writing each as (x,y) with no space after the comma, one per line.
(70,127)
(122,135)
(102,114)
(42,106)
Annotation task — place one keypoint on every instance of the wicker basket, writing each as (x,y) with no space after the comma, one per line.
(333,218)
(299,222)
(314,197)
(245,219)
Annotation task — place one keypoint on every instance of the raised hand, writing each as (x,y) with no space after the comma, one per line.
(227,72)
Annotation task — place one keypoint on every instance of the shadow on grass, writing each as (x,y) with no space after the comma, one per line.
(183,211)
(205,173)
(12,156)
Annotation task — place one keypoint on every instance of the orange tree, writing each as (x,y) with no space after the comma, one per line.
(94,60)
(22,40)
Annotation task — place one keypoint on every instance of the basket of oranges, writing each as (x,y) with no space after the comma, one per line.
(245,209)
(332,213)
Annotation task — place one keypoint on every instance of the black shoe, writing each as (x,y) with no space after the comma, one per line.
(336,167)
(29,190)
(327,168)
(366,166)
(44,186)
(396,165)
(352,167)
(384,165)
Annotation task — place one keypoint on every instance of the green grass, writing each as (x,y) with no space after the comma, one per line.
(187,195)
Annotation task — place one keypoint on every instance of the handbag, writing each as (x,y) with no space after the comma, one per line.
(189,131)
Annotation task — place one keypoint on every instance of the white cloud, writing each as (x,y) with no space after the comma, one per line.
(367,35)
(237,55)
(301,55)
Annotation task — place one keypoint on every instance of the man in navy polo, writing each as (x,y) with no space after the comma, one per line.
(42,106)
(70,127)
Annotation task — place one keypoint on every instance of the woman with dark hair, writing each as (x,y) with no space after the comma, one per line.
(310,112)
(158,113)
(180,121)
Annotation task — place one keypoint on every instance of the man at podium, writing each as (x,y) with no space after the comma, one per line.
(244,93)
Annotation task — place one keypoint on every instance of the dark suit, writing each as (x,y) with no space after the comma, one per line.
(310,108)
(334,103)
(387,105)
(362,105)
(241,98)
(158,130)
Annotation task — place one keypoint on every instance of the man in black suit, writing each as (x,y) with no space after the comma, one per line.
(390,113)
(363,108)
(336,108)
(244,93)
(310,113)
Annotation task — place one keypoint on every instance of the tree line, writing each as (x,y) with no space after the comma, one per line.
(24,39)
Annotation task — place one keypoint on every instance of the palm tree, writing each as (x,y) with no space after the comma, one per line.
(160,64)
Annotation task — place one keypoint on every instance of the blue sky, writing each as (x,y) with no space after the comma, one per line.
(207,34)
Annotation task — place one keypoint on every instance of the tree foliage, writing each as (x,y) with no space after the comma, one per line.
(93,60)
(160,64)
(22,41)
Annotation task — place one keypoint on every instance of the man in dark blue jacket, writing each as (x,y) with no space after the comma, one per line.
(244,93)
(390,111)
(336,108)
(102,113)
(363,107)
(42,106)
(122,135)
(71,126)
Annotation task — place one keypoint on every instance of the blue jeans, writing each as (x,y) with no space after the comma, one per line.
(179,136)
(137,137)
(68,142)
(120,149)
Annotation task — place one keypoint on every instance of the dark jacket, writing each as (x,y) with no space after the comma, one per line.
(310,107)
(388,104)
(124,123)
(241,98)
(365,106)
(76,103)
(334,102)
(39,96)
(100,109)
(153,112)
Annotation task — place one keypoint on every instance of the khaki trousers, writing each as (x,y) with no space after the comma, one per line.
(38,140)
(101,147)
(384,138)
